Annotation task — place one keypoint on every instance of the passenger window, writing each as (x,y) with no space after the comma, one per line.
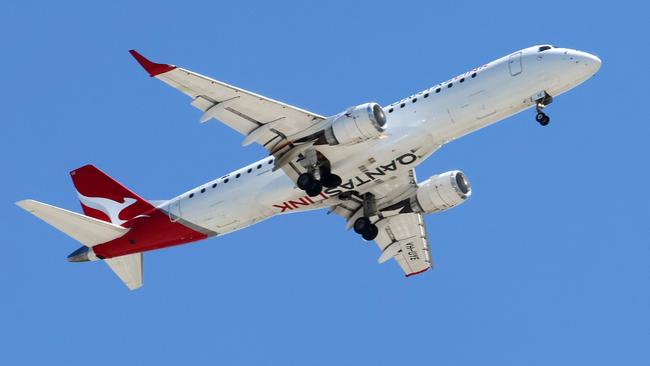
(191,195)
(225,180)
(414,100)
(238,175)
(259,166)
(214,185)
(271,161)
(203,190)
(461,80)
(450,85)
(390,110)
(473,75)
(402,105)
(249,170)
(438,90)
(426,95)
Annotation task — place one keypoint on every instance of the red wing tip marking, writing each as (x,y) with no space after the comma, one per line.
(87,166)
(151,67)
(418,272)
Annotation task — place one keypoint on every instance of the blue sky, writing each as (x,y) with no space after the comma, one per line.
(547,263)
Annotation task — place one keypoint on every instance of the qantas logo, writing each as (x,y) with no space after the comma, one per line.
(368,176)
(111,208)
(303,201)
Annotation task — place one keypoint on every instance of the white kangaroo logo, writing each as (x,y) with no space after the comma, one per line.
(111,208)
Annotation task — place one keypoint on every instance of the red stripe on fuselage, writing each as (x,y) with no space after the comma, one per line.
(152,230)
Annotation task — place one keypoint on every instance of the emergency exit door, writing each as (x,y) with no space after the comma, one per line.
(514,64)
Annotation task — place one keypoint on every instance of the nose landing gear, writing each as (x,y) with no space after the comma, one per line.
(542,118)
(541,103)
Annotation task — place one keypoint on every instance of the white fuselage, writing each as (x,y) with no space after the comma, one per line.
(417,126)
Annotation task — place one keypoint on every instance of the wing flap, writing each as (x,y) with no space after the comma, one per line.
(404,238)
(249,111)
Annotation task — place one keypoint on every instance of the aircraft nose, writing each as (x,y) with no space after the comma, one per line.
(590,62)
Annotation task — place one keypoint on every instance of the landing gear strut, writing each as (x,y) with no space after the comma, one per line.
(363,225)
(541,103)
(319,174)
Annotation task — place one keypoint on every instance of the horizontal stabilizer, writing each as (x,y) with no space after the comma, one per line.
(87,230)
(128,268)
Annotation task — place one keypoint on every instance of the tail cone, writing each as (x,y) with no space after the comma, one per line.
(83,254)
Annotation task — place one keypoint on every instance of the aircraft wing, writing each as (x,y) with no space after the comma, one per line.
(402,233)
(404,238)
(260,119)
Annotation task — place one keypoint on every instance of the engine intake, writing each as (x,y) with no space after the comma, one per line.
(357,124)
(441,192)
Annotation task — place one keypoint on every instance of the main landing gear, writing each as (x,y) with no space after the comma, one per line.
(363,226)
(319,175)
(541,103)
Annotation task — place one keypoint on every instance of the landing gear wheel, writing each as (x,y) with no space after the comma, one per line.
(314,188)
(361,225)
(545,121)
(304,180)
(331,180)
(370,233)
(542,118)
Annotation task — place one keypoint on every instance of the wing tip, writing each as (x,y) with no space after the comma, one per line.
(24,204)
(154,69)
(417,272)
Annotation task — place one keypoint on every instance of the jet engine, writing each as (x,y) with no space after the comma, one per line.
(356,124)
(441,192)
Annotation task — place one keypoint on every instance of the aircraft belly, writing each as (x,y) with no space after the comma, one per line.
(362,168)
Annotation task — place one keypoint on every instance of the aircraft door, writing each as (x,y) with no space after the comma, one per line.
(175,210)
(514,64)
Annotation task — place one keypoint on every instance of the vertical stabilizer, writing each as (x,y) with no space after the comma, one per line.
(103,198)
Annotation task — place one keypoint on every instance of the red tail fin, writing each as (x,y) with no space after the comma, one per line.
(104,198)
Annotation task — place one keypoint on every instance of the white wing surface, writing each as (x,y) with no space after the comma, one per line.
(404,238)
(261,119)
(402,234)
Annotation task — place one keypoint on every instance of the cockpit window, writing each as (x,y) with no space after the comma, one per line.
(544,48)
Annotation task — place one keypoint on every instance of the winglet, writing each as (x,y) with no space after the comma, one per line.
(151,67)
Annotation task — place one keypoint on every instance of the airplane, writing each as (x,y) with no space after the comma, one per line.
(360,163)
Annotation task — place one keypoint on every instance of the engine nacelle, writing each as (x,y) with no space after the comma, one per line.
(357,124)
(441,192)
